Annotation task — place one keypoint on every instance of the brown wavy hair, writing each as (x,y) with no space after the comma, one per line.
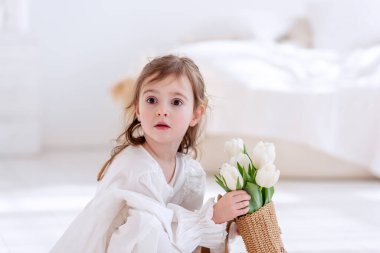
(158,69)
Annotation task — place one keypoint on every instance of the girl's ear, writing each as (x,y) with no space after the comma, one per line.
(197,115)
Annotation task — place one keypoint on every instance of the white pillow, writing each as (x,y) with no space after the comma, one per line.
(344,24)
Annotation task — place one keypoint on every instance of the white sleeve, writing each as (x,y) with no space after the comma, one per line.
(196,228)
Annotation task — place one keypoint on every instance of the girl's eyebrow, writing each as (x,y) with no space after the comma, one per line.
(149,90)
(180,95)
(172,93)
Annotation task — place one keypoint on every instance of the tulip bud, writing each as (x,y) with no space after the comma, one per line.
(231,175)
(267,176)
(242,159)
(234,147)
(263,153)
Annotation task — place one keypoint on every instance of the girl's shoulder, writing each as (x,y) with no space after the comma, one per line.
(132,161)
(191,166)
(133,152)
(195,175)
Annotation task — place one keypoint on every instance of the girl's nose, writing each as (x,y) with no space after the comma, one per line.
(161,113)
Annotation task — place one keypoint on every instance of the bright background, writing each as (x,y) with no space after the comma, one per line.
(59,61)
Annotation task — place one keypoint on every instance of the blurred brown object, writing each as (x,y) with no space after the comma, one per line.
(300,33)
(122,91)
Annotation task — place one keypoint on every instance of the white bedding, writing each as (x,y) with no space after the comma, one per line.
(327,100)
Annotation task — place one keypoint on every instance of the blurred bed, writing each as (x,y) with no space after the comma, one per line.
(320,103)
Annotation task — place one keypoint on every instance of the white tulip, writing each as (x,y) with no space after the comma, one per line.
(263,153)
(267,176)
(242,159)
(234,146)
(231,175)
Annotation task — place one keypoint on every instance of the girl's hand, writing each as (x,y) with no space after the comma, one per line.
(230,206)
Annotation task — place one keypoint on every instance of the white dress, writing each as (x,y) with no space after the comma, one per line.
(136,210)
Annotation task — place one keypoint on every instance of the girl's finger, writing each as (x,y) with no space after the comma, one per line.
(238,192)
(242,197)
(243,211)
(241,205)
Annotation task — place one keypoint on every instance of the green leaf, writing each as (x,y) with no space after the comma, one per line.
(251,162)
(256,201)
(217,178)
(243,173)
(221,185)
(225,183)
(271,192)
(267,194)
(238,185)
(250,174)
(241,169)
(220,182)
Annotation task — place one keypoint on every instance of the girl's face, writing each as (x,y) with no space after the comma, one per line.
(166,109)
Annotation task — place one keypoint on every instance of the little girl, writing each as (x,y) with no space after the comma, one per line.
(150,192)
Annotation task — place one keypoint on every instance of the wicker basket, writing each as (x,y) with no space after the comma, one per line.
(260,231)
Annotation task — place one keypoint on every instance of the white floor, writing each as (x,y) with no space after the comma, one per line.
(39,198)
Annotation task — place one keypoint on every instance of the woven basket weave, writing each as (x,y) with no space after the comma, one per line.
(260,231)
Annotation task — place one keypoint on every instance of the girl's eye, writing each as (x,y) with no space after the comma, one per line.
(151,100)
(177,102)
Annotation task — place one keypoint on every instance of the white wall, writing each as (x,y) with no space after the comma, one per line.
(84,46)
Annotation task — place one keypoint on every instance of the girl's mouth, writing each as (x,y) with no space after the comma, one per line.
(161,126)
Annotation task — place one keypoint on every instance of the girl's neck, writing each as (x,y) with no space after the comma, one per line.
(163,154)
(165,157)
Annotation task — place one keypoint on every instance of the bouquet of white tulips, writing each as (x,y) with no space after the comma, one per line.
(256,174)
